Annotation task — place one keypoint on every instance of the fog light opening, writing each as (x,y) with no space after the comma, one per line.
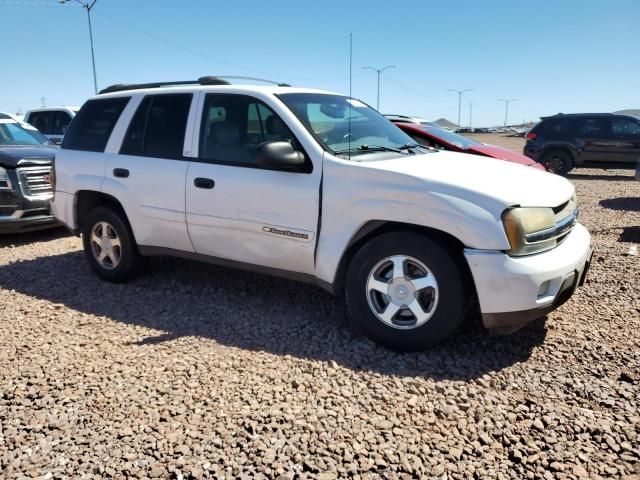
(544,289)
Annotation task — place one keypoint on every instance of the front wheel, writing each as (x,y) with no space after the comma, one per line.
(109,245)
(405,291)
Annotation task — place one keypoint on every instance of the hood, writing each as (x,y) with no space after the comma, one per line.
(477,179)
(501,153)
(10,156)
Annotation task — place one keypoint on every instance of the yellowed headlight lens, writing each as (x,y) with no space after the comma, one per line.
(519,222)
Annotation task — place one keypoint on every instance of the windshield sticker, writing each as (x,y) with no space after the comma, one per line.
(356,103)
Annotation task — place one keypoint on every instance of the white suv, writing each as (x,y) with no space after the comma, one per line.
(52,122)
(319,187)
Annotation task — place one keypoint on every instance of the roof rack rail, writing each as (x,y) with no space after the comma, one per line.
(209,80)
(255,79)
(138,86)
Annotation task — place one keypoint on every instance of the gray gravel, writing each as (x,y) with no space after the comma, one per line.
(193,371)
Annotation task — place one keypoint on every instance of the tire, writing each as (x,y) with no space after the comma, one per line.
(558,162)
(123,260)
(442,305)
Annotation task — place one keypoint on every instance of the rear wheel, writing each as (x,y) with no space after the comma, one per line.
(558,161)
(109,245)
(405,291)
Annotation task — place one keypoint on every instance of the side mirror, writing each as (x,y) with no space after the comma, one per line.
(279,155)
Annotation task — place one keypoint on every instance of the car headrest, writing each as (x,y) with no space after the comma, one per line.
(275,126)
(224,133)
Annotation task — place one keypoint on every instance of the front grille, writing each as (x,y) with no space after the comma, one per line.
(566,219)
(35,181)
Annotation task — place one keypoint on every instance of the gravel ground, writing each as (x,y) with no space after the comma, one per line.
(193,371)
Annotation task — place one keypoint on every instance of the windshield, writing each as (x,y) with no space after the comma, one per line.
(13,133)
(345,125)
(450,137)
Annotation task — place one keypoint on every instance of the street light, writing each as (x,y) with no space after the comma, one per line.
(460,93)
(470,115)
(378,71)
(506,101)
(88,6)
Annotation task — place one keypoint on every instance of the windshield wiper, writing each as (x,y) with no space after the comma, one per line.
(408,146)
(369,148)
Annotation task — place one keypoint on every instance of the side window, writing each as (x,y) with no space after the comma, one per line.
(234,125)
(43,121)
(60,122)
(625,128)
(91,128)
(134,139)
(557,127)
(593,128)
(158,127)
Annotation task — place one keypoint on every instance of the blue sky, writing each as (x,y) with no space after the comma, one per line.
(552,56)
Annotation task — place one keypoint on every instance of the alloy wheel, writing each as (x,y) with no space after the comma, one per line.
(105,245)
(402,292)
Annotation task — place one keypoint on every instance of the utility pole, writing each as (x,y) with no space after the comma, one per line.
(44,102)
(460,93)
(470,115)
(506,101)
(378,71)
(88,6)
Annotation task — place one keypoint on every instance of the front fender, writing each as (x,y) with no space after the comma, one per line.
(399,200)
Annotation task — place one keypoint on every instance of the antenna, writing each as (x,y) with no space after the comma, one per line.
(350,62)
(350,86)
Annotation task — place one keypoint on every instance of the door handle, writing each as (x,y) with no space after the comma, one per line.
(207,183)
(121,172)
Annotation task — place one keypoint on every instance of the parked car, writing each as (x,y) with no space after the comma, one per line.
(319,187)
(442,140)
(52,122)
(408,119)
(25,177)
(591,140)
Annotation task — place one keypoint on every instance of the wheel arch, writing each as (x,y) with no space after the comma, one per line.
(87,200)
(561,148)
(374,228)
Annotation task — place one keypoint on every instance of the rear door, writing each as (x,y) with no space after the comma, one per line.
(147,173)
(239,211)
(594,134)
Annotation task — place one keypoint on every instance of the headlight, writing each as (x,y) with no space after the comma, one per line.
(5,182)
(529,230)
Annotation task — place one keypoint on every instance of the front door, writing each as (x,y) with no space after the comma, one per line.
(239,211)
(595,134)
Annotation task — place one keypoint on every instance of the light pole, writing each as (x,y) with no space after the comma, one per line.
(506,101)
(460,93)
(88,6)
(378,71)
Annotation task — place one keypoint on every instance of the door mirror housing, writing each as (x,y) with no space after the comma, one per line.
(279,156)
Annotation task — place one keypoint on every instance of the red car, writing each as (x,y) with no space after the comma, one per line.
(443,140)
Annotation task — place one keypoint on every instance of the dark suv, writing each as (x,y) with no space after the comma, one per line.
(25,177)
(597,140)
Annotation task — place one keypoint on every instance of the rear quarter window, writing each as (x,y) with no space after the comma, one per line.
(556,127)
(91,128)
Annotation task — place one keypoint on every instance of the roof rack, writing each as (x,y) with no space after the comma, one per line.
(210,80)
